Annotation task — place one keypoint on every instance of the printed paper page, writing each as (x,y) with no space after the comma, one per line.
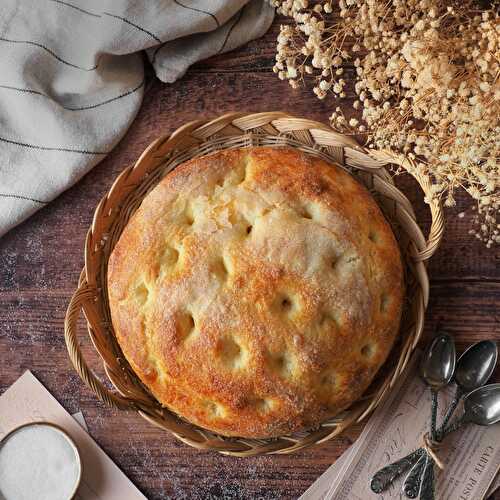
(471,455)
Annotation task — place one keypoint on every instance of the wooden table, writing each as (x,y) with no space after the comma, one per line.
(41,259)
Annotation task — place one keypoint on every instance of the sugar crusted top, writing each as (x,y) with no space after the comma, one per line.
(256,291)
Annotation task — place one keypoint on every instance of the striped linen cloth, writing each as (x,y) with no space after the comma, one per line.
(72,80)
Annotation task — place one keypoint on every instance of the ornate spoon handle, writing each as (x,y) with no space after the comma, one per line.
(427,486)
(434,407)
(386,476)
(413,480)
(454,426)
(449,413)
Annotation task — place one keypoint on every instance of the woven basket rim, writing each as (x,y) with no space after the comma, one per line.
(131,185)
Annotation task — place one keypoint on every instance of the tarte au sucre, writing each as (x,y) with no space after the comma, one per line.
(256,291)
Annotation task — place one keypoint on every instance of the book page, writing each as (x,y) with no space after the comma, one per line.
(471,455)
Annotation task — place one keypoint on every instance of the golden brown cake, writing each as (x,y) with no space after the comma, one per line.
(257,291)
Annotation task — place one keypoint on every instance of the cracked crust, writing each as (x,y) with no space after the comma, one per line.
(257,291)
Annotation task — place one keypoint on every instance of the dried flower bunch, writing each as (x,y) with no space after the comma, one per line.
(426,79)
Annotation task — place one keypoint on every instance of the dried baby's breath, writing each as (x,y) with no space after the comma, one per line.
(426,79)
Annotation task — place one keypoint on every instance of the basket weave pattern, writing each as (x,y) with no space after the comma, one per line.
(233,131)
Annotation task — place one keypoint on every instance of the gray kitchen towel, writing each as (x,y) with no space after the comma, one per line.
(72,80)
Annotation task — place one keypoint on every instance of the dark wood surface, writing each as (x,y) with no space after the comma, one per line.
(40,261)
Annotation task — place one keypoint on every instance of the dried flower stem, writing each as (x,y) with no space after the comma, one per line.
(427,84)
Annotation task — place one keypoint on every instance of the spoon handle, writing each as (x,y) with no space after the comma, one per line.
(449,413)
(427,485)
(434,407)
(388,474)
(454,426)
(411,486)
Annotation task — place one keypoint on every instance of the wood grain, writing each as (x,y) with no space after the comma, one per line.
(41,259)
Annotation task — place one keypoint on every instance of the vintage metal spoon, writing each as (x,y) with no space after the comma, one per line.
(382,479)
(481,407)
(437,367)
(411,486)
(427,485)
(474,368)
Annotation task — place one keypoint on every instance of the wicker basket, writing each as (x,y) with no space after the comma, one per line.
(199,138)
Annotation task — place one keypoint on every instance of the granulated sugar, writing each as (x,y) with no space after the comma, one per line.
(37,462)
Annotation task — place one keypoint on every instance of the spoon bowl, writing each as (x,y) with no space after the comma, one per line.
(482,406)
(474,368)
(438,362)
(475,365)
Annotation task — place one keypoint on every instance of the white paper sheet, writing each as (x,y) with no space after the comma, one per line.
(28,401)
